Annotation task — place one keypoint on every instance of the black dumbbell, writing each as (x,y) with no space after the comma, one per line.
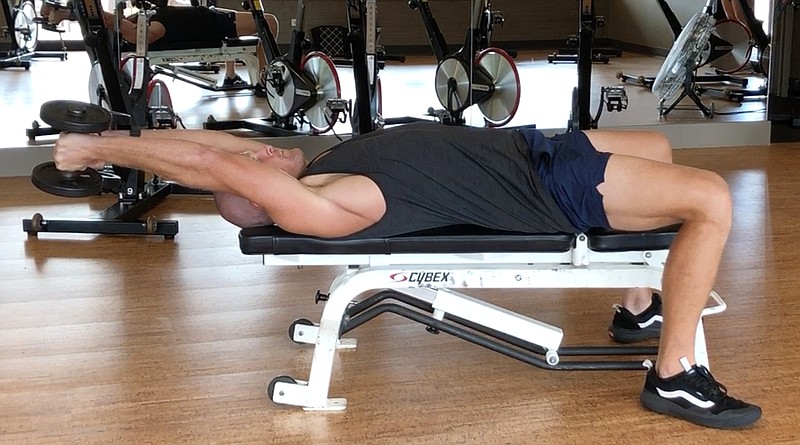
(74,117)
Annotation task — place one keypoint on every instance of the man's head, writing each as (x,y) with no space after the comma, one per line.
(243,213)
(292,161)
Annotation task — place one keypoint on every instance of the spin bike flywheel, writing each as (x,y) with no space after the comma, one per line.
(452,84)
(280,90)
(322,72)
(741,44)
(26,32)
(499,108)
(289,91)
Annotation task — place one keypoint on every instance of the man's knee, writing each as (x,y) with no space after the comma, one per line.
(715,204)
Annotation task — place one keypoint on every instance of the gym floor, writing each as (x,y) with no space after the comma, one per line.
(142,340)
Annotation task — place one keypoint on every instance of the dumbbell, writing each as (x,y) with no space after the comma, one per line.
(75,117)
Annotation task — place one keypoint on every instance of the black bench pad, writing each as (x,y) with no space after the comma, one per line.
(271,240)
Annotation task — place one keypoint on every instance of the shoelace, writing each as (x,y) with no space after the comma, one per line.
(704,381)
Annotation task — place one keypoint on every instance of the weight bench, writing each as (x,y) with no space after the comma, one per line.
(172,60)
(416,276)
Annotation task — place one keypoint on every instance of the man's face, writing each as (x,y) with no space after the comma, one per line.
(292,161)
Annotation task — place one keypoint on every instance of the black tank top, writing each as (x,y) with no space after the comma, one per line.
(187,24)
(433,175)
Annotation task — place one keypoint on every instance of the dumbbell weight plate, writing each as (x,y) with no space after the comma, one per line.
(47,178)
(75,117)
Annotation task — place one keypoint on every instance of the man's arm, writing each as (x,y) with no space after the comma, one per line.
(292,205)
(215,140)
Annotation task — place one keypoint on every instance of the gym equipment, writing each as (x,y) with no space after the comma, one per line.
(134,102)
(122,85)
(425,274)
(362,37)
(18,45)
(761,41)
(75,117)
(676,73)
(570,53)
(726,50)
(613,97)
(298,88)
(475,74)
(18,34)
(189,60)
(136,196)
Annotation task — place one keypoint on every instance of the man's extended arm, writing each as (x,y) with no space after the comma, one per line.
(290,204)
(215,140)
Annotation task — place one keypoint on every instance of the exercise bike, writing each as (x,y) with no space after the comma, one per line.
(298,88)
(761,41)
(475,74)
(366,113)
(18,34)
(612,98)
(126,95)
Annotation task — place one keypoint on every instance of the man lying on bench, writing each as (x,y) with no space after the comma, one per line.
(172,25)
(422,176)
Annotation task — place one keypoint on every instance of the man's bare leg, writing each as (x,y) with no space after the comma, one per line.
(643,194)
(646,145)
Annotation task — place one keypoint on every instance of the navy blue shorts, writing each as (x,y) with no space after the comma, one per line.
(571,169)
(226,22)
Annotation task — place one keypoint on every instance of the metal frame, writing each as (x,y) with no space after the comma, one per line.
(425,284)
(454,67)
(11,55)
(167,62)
(136,196)
(283,69)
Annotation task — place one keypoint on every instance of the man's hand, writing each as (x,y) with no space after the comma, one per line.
(72,152)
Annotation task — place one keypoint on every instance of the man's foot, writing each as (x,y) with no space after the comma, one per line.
(234,81)
(629,328)
(260,91)
(695,396)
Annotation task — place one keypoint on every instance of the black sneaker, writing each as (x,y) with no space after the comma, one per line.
(260,91)
(629,328)
(695,396)
(235,81)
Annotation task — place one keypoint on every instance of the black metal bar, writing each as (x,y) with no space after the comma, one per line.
(268,43)
(524,356)
(672,20)
(363,117)
(266,126)
(585,41)
(435,36)
(166,228)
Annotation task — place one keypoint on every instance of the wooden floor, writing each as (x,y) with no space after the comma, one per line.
(131,340)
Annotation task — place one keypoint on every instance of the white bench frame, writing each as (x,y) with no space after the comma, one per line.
(580,267)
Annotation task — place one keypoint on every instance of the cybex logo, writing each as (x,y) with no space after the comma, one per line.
(421,277)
